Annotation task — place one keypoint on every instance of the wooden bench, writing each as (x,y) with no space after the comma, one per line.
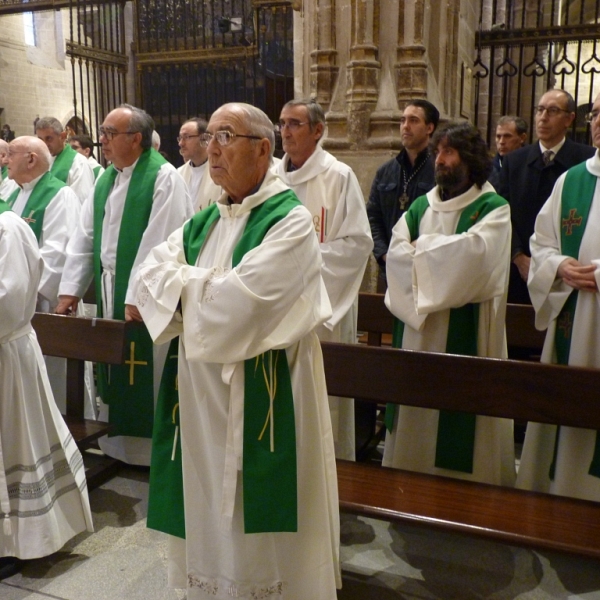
(501,388)
(78,340)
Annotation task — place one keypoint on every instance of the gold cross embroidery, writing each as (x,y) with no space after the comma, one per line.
(572,221)
(29,219)
(132,362)
(565,324)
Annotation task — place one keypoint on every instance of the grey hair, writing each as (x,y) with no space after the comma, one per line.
(156,140)
(316,114)
(258,122)
(49,123)
(521,126)
(141,122)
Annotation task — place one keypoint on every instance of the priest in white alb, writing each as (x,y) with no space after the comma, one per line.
(330,191)
(43,492)
(241,285)
(447,271)
(563,284)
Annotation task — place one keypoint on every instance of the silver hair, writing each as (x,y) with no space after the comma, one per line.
(155,140)
(315,110)
(49,123)
(257,121)
(141,122)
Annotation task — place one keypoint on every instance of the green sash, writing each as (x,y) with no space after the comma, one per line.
(96,171)
(127,388)
(576,201)
(3,206)
(43,193)
(269,477)
(456,430)
(63,163)
(4,172)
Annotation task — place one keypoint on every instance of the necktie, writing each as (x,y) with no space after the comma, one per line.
(547,157)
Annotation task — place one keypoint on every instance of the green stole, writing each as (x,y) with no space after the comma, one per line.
(43,193)
(576,201)
(4,172)
(129,388)
(456,429)
(63,163)
(3,206)
(96,171)
(269,478)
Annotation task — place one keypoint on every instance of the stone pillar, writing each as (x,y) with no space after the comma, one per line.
(324,69)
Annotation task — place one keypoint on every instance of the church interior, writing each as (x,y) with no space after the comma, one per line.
(362,60)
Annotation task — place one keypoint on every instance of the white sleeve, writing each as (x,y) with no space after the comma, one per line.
(81,177)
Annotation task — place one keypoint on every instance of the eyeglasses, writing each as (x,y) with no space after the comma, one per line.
(11,153)
(109,134)
(551,110)
(292,125)
(592,116)
(224,138)
(185,138)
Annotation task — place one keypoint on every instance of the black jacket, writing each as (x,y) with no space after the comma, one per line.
(383,207)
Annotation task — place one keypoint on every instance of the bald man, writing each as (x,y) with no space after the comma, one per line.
(7,185)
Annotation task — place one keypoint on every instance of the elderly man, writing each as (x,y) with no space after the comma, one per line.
(529,174)
(138,201)
(261,506)
(195,171)
(406,177)
(563,283)
(447,272)
(7,185)
(330,191)
(43,493)
(511,134)
(85,146)
(68,165)
(51,209)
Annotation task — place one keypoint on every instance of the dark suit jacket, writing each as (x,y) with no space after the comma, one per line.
(526,183)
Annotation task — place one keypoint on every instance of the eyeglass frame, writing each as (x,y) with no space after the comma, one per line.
(109,135)
(185,138)
(591,116)
(10,153)
(206,137)
(293,125)
(551,110)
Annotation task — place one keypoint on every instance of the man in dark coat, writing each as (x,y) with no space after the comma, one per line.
(529,174)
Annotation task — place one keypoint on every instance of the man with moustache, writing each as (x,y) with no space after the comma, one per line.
(563,282)
(447,270)
(136,203)
(195,171)
(331,192)
(529,174)
(406,177)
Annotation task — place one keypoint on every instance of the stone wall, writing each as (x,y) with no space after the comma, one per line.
(35,81)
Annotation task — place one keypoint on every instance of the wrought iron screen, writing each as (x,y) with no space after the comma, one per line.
(194,55)
(98,60)
(525,47)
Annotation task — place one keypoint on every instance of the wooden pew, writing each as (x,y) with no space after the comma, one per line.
(377,321)
(79,339)
(502,388)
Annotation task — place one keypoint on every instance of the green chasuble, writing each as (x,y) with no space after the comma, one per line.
(63,163)
(129,388)
(43,193)
(4,172)
(269,471)
(3,206)
(576,201)
(456,430)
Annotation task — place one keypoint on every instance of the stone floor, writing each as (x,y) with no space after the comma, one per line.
(123,560)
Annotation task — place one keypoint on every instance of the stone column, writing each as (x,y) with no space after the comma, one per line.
(324,69)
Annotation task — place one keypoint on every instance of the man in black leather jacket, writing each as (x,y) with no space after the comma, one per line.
(402,179)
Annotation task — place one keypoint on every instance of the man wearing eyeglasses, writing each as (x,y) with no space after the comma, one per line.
(563,282)
(529,174)
(67,164)
(331,192)
(195,171)
(241,285)
(136,203)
